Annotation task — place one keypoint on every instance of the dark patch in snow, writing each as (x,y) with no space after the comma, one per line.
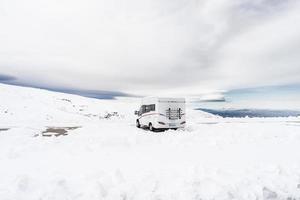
(67,100)
(269,194)
(110,115)
(239,113)
(57,131)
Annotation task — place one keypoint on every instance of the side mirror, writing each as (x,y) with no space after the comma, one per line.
(136,112)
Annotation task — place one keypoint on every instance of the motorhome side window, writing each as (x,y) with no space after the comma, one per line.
(152,107)
(147,108)
(142,110)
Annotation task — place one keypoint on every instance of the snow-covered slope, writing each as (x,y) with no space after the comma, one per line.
(98,153)
(28,105)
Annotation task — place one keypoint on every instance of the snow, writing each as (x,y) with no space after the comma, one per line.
(106,157)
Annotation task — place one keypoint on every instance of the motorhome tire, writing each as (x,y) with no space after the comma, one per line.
(138,125)
(151,128)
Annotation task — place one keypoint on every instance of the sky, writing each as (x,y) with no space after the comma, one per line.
(284,97)
(151,47)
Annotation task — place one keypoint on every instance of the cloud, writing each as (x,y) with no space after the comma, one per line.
(151,46)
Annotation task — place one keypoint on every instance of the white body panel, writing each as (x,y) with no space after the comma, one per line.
(162,113)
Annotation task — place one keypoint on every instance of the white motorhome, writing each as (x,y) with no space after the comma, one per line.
(161,113)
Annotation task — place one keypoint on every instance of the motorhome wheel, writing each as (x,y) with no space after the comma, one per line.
(138,125)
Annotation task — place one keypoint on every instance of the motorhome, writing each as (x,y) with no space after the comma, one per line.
(161,113)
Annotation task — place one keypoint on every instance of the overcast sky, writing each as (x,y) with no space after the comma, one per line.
(151,46)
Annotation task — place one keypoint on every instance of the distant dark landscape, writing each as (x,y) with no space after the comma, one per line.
(97,94)
(240,113)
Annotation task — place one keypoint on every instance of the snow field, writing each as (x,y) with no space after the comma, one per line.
(108,158)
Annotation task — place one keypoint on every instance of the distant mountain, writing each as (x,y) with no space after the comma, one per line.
(237,113)
(98,94)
